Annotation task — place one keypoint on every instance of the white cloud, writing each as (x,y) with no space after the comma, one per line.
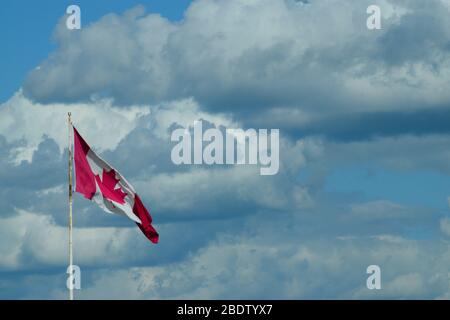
(378,210)
(31,241)
(104,124)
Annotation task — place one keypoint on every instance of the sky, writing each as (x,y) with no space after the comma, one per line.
(364,148)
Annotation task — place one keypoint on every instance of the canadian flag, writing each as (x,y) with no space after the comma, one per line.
(98,181)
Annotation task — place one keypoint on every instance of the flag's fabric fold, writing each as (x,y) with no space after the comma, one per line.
(98,181)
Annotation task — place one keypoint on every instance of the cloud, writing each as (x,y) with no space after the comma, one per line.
(358,125)
(379,210)
(240,56)
(35,240)
(271,74)
(245,267)
(404,153)
(26,121)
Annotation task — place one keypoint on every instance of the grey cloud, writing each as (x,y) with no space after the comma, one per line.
(421,35)
(359,126)
(405,153)
(21,183)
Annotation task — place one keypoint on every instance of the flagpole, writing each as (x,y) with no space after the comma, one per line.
(70,205)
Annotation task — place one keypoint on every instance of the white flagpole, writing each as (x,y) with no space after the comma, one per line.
(70,204)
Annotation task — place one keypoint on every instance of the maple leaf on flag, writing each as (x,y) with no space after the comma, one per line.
(108,185)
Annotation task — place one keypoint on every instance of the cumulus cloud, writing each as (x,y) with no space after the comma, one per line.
(26,121)
(36,241)
(240,55)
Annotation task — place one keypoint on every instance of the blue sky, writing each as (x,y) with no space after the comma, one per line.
(364,138)
(412,188)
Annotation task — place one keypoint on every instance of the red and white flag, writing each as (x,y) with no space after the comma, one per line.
(98,181)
